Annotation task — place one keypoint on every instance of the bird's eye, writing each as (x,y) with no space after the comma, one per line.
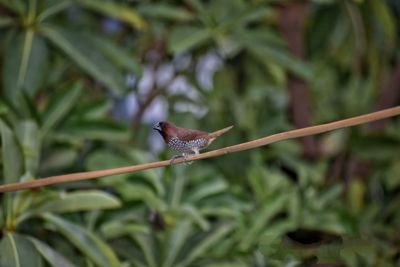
(158,126)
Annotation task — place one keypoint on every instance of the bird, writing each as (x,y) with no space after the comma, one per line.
(186,140)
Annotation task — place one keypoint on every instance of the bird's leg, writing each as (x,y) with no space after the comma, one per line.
(196,152)
(176,157)
(185,156)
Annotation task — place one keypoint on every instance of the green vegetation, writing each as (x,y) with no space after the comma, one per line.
(82,82)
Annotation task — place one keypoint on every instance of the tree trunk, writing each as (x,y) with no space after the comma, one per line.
(292,25)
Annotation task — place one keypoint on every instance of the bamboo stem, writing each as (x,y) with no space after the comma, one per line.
(215,153)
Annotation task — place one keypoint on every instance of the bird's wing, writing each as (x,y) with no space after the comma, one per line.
(189,134)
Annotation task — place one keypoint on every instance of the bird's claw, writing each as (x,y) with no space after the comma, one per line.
(184,156)
(174,158)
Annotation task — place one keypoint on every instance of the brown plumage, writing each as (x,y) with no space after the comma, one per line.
(186,140)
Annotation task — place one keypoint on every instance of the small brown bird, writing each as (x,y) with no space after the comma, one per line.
(186,140)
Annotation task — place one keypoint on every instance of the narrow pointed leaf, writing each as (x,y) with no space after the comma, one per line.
(106,159)
(193,213)
(118,55)
(37,66)
(16,60)
(28,135)
(79,201)
(207,189)
(184,38)
(269,209)
(115,10)
(4,22)
(116,229)
(165,11)
(11,153)
(25,62)
(87,242)
(80,48)
(206,244)
(227,264)
(52,256)
(17,251)
(140,192)
(52,8)
(268,52)
(60,105)
(177,238)
(146,246)
(96,130)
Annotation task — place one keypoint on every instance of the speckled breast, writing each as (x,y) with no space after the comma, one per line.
(184,146)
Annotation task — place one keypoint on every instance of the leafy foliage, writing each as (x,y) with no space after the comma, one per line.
(82,81)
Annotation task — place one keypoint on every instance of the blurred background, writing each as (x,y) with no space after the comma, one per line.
(83,81)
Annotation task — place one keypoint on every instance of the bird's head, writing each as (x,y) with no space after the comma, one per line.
(166,129)
(160,126)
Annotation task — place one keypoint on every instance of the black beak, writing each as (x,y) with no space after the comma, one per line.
(157,127)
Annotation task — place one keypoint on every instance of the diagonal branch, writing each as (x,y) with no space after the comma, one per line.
(386,113)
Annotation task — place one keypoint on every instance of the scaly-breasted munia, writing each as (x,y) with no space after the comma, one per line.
(186,140)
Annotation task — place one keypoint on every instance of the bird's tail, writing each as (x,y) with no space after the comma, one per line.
(218,133)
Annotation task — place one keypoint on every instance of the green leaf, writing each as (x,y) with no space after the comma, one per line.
(135,191)
(97,109)
(277,231)
(356,195)
(106,159)
(269,53)
(52,8)
(25,62)
(79,201)
(116,10)
(206,244)
(96,130)
(118,55)
(227,264)
(22,201)
(176,239)
(152,175)
(81,49)
(18,251)
(52,256)
(219,211)
(37,66)
(375,146)
(28,135)
(387,21)
(12,157)
(165,11)
(330,195)
(193,213)
(87,242)
(257,14)
(60,105)
(116,229)
(184,38)
(270,208)
(177,188)
(146,245)
(18,6)
(16,61)
(201,11)
(9,251)
(207,189)
(4,22)
(58,158)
